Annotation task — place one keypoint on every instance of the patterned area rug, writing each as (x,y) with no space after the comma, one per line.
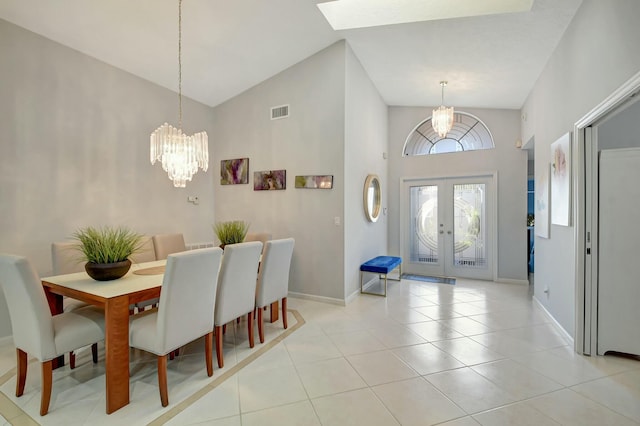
(437,280)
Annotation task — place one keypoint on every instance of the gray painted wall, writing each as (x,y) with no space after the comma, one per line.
(74,151)
(510,163)
(596,55)
(310,142)
(366,130)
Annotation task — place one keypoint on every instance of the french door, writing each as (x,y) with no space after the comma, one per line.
(448,226)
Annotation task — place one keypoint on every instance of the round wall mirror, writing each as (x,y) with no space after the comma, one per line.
(371,198)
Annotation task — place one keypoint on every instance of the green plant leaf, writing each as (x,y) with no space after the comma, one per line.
(107,244)
(231,232)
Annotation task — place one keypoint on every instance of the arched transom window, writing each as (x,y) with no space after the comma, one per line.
(468,133)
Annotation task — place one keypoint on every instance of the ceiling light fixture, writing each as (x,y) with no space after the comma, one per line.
(442,117)
(180,155)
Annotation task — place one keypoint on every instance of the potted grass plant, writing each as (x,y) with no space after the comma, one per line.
(230,232)
(107,250)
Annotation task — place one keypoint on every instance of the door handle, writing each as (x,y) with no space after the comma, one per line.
(441,231)
(449,232)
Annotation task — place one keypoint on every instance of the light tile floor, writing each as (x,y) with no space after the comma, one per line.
(474,353)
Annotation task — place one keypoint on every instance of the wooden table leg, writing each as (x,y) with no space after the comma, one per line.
(274,312)
(56,307)
(117,352)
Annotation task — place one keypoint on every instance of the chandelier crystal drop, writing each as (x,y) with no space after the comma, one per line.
(442,117)
(180,155)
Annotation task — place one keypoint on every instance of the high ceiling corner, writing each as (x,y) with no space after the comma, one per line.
(491,59)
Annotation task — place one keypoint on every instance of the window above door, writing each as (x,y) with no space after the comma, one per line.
(468,133)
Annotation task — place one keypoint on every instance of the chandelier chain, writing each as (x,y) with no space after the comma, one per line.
(180,64)
(181,155)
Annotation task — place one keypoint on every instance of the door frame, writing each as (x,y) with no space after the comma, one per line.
(586,301)
(493,181)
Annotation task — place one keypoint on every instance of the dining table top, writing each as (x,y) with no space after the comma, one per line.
(131,282)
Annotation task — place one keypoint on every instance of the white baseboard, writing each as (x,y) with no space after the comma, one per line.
(555,322)
(512,281)
(323,299)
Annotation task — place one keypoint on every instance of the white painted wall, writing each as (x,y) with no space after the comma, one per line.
(510,163)
(310,142)
(366,130)
(74,151)
(596,55)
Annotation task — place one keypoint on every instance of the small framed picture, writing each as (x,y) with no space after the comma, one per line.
(269,180)
(315,181)
(233,172)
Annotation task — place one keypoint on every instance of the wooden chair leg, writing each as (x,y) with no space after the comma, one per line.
(224,328)
(284,312)
(250,328)
(72,360)
(47,381)
(260,326)
(172,355)
(162,380)
(219,347)
(21,364)
(208,353)
(94,353)
(238,320)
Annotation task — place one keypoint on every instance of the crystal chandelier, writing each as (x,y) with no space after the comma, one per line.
(442,117)
(180,155)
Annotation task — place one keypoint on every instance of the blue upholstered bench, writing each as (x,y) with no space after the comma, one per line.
(380,265)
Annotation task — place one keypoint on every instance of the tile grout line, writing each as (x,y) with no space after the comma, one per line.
(184,404)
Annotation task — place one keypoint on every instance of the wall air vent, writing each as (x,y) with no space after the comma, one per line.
(278,112)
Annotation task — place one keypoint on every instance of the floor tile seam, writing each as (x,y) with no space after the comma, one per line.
(242,414)
(516,403)
(536,350)
(580,395)
(561,386)
(161,419)
(190,400)
(600,403)
(438,390)
(376,396)
(378,384)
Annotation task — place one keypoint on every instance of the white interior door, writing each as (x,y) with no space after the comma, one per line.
(448,227)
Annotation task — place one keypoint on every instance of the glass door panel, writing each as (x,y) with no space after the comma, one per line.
(424,235)
(447,227)
(469,225)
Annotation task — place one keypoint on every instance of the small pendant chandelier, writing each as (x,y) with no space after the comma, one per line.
(442,117)
(180,155)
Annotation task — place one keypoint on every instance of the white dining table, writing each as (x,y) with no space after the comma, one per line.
(114,297)
(142,282)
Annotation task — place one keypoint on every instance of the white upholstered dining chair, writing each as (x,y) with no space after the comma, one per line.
(146,251)
(65,259)
(263,237)
(189,290)
(236,289)
(35,331)
(273,278)
(166,244)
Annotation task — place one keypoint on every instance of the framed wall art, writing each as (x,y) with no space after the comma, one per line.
(315,181)
(542,204)
(269,180)
(561,181)
(234,171)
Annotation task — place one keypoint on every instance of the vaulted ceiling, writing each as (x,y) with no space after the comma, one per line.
(490,61)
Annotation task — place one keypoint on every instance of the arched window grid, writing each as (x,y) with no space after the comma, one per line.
(469,133)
